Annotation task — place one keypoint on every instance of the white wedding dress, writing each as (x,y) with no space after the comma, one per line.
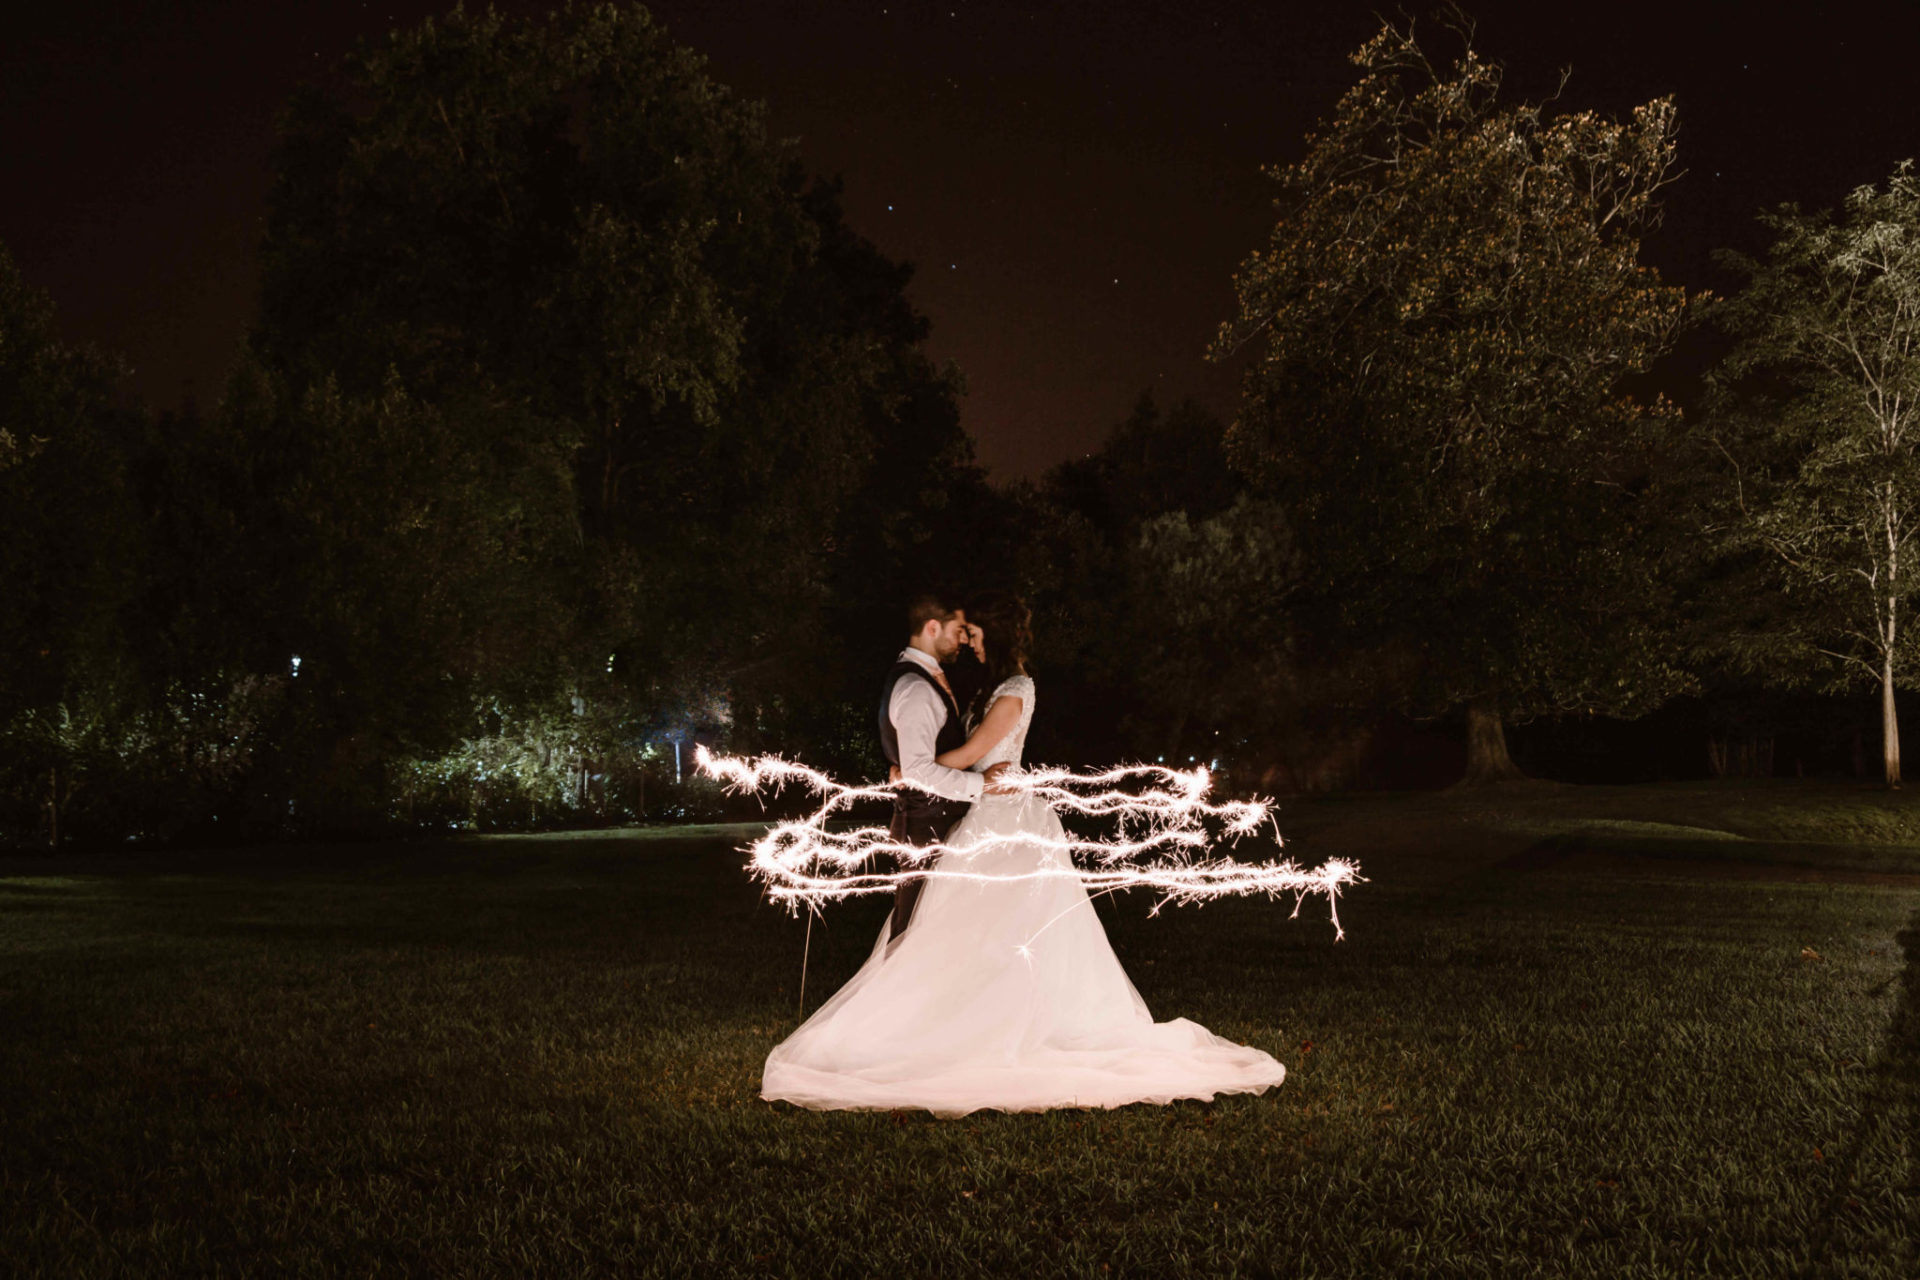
(1002,993)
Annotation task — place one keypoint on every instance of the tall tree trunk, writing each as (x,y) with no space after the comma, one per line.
(1889,722)
(1487,758)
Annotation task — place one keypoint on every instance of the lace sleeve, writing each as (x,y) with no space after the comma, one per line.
(1020,687)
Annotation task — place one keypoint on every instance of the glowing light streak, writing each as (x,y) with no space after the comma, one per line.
(1162,840)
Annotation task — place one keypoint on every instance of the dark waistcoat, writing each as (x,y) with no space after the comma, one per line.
(953,733)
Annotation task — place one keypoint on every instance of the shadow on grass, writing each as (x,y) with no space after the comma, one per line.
(1887,1129)
(1902,1065)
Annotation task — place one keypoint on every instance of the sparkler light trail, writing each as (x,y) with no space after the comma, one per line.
(1162,841)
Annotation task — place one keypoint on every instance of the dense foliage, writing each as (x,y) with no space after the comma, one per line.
(1446,316)
(577,427)
(576,424)
(71,561)
(1815,452)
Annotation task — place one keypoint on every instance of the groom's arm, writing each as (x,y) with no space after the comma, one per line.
(917,713)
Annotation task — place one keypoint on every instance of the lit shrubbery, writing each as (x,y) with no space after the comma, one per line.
(557,765)
(99,770)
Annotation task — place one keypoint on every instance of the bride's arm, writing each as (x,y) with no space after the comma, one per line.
(995,725)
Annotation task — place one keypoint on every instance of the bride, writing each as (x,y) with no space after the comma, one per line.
(1004,992)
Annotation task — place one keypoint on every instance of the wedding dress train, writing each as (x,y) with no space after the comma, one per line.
(1004,992)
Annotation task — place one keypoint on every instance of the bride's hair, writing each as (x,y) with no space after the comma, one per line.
(1009,627)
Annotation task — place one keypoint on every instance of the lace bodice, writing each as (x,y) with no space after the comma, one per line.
(1009,749)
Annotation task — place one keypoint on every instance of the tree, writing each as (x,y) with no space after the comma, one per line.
(1211,642)
(562,240)
(413,557)
(1449,311)
(1103,619)
(70,551)
(1153,462)
(1816,423)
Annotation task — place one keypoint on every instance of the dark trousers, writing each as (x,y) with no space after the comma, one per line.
(918,828)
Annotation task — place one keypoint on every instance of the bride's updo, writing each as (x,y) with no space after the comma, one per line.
(1009,627)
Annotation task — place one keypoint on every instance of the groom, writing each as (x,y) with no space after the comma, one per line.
(920,719)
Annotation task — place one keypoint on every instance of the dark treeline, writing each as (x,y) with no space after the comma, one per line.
(577,427)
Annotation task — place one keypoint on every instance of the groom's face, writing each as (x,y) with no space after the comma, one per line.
(953,634)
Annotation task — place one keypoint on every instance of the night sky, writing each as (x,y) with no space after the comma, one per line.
(1074,181)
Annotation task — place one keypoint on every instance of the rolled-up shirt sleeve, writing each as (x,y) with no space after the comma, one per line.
(917,712)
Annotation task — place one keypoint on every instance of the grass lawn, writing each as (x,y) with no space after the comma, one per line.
(1571,1032)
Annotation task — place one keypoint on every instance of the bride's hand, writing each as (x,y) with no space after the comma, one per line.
(893,774)
(992,775)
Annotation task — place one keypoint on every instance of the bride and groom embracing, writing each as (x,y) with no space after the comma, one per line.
(992,983)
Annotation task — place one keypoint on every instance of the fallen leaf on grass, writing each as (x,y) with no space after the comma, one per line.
(1808,953)
(1819,1155)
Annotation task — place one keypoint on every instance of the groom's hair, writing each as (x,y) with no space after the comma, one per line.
(925,609)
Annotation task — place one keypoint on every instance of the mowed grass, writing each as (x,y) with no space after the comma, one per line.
(539,1056)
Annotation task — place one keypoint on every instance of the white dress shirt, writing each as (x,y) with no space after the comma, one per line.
(917,711)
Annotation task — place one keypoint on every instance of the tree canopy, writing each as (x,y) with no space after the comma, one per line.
(1815,452)
(547,290)
(577,424)
(575,415)
(1447,319)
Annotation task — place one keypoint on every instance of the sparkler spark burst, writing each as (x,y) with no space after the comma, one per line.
(1162,843)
